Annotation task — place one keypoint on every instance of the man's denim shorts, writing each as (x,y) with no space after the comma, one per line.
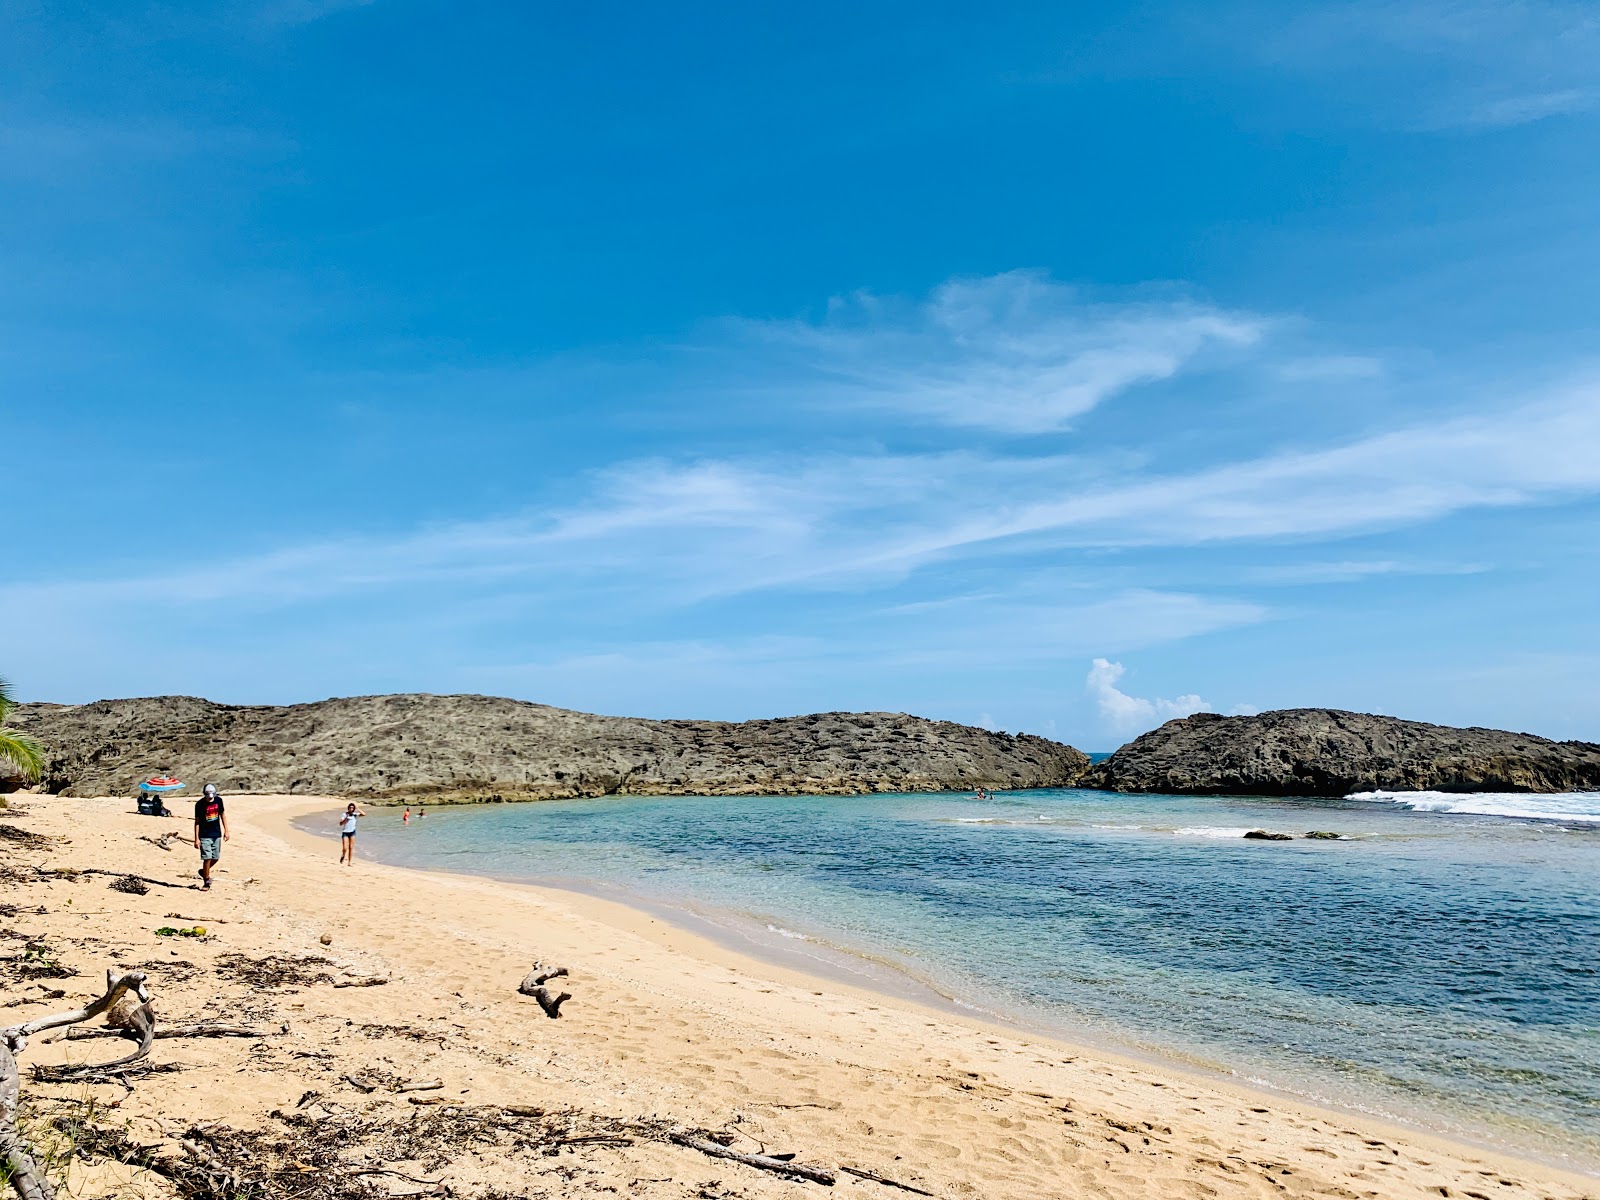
(211,849)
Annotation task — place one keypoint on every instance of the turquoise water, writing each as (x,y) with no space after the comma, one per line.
(1440,966)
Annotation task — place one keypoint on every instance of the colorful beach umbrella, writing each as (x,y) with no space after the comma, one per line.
(162,783)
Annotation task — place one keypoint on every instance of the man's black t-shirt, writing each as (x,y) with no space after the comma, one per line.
(208,815)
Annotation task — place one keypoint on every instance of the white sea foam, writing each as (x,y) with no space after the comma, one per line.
(788,933)
(1214,831)
(1559,806)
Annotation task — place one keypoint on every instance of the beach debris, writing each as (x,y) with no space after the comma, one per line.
(362,981)
(326,939)
(274,970)
(778,1164)
(131,884)
(534,985)
(421,1085)
(1261,835)
(193,931)
(127,1002)
(37,961)
(887,1182)
(27,837)
(74,872)
(208,1030)
(164,842)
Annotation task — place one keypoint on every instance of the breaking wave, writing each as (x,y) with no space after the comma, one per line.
(1559,806)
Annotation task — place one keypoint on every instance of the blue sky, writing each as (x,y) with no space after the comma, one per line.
(1055,370)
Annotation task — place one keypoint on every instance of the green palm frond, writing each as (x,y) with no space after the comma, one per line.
(22,752)
(6,702)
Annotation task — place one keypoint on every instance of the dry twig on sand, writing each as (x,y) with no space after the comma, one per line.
(777,1164)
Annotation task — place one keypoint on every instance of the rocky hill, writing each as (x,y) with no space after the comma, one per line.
(469,748)
(1326,752)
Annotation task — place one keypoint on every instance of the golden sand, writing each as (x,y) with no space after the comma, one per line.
(664,1026)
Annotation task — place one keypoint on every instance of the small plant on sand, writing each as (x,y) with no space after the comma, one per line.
(18,751)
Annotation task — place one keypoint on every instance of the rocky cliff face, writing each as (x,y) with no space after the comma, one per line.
(1326,752)
(466,748)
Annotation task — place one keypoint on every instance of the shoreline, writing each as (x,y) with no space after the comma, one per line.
(736,933)
(666,1024)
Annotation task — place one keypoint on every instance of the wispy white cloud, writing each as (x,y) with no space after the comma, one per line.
(1451,63)
(689,531)
(1533,106)
(1353,571)
(1014,353)
(1124,714)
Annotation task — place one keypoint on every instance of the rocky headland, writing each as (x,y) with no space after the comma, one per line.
(443,749)
(1327,752)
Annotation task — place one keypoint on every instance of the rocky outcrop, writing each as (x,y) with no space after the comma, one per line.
(471,748)
(1326,752)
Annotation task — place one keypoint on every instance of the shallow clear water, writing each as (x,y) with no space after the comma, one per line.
(1440,966)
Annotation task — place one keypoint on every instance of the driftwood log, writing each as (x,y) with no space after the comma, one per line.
(764,1162)
(362,981)
(534,985)
(129,1003)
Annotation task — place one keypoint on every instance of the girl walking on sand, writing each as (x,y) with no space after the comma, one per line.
(347,835)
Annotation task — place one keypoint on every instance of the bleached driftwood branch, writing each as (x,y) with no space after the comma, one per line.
(27,1180)
(778,1165)
(534,985)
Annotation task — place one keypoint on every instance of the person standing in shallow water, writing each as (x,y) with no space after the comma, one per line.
(347,835)
(210,831)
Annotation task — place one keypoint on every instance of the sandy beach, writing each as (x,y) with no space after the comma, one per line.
(666,1031)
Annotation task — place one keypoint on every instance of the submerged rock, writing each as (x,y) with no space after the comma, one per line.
(1323,835)
(1328,752)
(1261,835)
(463,749)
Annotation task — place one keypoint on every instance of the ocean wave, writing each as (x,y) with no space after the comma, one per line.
(787,933)
(1559,806)
(1214,831)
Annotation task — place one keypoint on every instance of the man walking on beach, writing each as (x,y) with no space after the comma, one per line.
(347,835)
(210,831)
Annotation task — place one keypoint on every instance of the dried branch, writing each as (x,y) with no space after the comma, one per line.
(74,872)
(364,981)
(27,1180)
(904,1187)
(762,1162)
(193,1031)
(533,985)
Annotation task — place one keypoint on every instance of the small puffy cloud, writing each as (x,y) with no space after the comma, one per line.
(1127,714)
